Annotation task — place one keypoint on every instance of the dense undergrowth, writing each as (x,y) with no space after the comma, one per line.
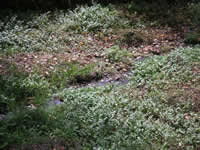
(140,114)
(158,109)
(41,31)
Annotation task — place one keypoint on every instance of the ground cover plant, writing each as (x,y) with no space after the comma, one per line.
(152,111)
(52,63)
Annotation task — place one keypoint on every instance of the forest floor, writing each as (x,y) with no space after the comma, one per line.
(62,57)
(101,49)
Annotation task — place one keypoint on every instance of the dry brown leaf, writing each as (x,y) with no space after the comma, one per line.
(55,59)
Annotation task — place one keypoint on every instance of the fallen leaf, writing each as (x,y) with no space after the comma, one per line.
(187,117)
(124,69)
(46,73)
(106,39)
(81,43)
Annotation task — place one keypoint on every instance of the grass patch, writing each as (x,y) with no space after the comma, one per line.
(192,38)
(175,67)
(73,73)
(22,126)
(92,19)
(115,54)
(19,89)
(47,31)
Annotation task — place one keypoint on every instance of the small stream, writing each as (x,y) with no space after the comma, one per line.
(122,80)
(54,101)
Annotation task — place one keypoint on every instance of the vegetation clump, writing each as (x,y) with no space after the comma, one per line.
(192,38)
(115,54)
(194,12)
(92,19)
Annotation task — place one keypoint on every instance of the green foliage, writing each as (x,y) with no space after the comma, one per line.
(43,31)
(192,38)
(115,54)
(65,74)
(160,12)
(136,38)
(91,19)
(175,67)
(109,118)
(23,126)
(17,89)
(29,34)
(147,6)
(139,115)
(21,89)
(194,12)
